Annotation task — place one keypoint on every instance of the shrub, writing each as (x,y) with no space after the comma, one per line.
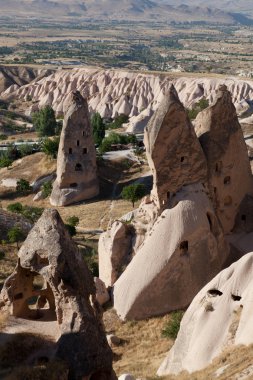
(29,212)
(118,121)
(15,207)
(3,137)
(26,149)
(133,192)
(73,221)
(47,189)
(198,107)
(5,162)
(172,327)
(115,138)
(50,147)
(16,235)
(23,187)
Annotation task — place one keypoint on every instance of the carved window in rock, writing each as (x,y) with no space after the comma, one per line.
(78,143)
(85,150)
(78,167)
(218,167)
(73,185)
(243,218)
(184,246)
(183,160)
(227,180)
(70,151)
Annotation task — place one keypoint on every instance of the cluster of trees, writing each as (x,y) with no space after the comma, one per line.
(29,212)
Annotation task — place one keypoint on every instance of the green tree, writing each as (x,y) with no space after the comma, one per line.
(50,147)
(16,235)
(23,187)
(45,122)
(15,207)
(173,325)
(133,192)
(5,162)
(98,128)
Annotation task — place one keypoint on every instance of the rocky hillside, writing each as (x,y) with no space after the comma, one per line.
(134,94)
(16,76)
(116,10)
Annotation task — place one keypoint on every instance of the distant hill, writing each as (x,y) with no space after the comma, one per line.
(156,10)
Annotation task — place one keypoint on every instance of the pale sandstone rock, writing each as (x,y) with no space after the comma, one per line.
(76,162)
(184,249)
(114,251)
(173,150)
(38,197)
(102,295)
(68,296)
(205,334)
(229,172)
(106,91)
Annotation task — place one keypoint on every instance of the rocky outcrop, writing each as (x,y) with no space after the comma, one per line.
(9,220)
(67,295)
(13,77)
(229,172)
(219,317)
(173,150)
(112,92)
(76,162)
(183,250)
(115,248)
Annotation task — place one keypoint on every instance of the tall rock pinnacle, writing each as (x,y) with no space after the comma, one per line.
(76,163)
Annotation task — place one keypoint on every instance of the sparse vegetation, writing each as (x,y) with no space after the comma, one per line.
(172,327)
(114,139)
(198,107)
(29,212)
(47,188)
(23,187)
(73,220)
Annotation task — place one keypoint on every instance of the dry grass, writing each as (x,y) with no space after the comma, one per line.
(142,349)
(235,363)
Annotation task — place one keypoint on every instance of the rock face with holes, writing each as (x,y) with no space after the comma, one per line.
(173,150)
(229,172)
(115,248)
(76,162)
(184,249)
(219,317)
(68,295)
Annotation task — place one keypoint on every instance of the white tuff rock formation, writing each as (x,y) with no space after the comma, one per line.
(112,92)
(219,317)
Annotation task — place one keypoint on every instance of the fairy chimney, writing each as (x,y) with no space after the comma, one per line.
(229,173)
(66,294)
(76,162)
(173,150)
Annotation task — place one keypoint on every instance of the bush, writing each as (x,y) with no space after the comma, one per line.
(173,325)
(45,121)
(118,121)
(133,192)
(115,138)
(73,221)
(15,207)
(3,137)
(26,149)
(23,187)
(50,147)
(16,235)
(47,189)
(5,162)
(29,212)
